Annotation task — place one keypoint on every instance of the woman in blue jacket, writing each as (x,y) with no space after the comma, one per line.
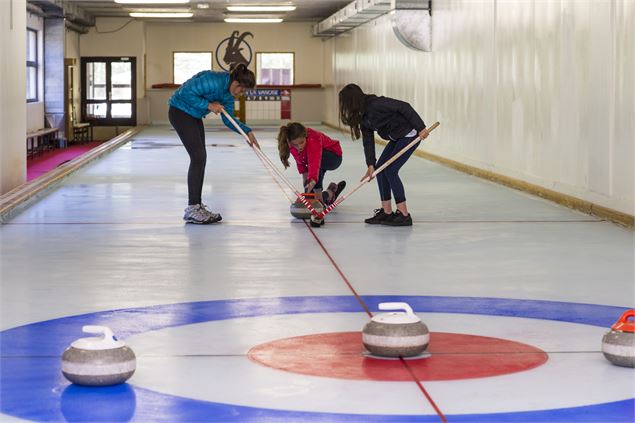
(205,92)
(398,123)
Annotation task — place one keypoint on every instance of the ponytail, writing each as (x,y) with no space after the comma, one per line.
(283,146)
(288,133)
(243,76)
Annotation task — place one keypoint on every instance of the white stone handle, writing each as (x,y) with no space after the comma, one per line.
(99,330)
(397,306)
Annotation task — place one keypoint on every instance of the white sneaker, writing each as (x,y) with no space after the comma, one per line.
(198,214)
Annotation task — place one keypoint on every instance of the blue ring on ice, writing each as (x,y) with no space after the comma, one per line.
(32,386)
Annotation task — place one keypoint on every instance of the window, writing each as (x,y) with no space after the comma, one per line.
(274,68)
(109,96)
(187,64)
(31,65)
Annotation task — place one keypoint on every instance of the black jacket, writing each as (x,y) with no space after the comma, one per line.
(392,119)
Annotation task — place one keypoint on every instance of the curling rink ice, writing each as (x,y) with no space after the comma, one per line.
(516,290)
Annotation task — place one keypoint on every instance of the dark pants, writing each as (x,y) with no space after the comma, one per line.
(388,179)
(192,134)
(330,161)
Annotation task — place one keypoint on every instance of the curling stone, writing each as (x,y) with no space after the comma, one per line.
(396,334)
(299,210)
(618,345)
(98,361)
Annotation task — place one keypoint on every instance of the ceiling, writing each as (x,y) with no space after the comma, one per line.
(307,10)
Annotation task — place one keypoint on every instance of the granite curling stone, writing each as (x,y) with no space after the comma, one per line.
(396,334)
(299,210)
(618,345)
(98,361)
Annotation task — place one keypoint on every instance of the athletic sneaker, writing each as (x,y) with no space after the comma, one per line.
(340,187)
(198,214)
(397,219)
(334,190)
(216,217)
(379,216)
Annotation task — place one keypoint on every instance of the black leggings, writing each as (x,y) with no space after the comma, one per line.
(388,180)
(330,161)
(192,134)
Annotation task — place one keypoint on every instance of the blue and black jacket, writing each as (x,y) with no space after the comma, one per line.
(203,88)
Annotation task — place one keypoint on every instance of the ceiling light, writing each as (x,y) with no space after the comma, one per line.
(260,8)
(161,15)
(202,5)
(253,20)
(152,1)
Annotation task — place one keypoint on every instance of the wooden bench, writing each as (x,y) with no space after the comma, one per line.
(82,132)
(40,140)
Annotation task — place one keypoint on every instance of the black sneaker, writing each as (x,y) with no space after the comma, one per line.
(378,218)
(397,219)
(340,187)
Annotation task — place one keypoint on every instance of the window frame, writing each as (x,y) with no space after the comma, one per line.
(292,53)
(211,57)
(35,65)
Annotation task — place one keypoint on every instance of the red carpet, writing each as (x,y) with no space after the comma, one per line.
(41,164)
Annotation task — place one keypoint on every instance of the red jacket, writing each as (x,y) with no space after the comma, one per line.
(310,159)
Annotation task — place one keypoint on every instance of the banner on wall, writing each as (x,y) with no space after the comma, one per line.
(263,95)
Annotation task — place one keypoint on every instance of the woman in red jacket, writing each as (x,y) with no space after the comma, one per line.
(314,154)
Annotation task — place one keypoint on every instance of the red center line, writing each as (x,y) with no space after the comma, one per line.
(359,299)
(368,312)
(420,385)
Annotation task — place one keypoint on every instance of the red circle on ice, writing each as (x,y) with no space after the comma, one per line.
(452,356)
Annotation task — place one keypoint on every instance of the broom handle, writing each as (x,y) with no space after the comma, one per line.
(379,169)
(402,151)
(266,161)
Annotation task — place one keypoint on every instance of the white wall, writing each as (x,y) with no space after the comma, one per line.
(12,94)
(118,37)
(35,110)
(153,44)
(164,38)
(541,91)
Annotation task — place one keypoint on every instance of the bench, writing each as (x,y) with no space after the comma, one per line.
(40,140)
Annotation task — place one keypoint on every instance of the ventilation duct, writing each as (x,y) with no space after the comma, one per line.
(354,14)
(411,20)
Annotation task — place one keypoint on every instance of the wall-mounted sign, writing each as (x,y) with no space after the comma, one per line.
(234,50)
(279,101)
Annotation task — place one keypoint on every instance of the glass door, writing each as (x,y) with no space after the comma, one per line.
(109,95)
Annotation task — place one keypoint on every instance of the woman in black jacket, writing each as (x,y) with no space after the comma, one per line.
(398,123)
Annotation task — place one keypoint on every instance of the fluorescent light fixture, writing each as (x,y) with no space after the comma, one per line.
(202,5)
(152,1)
(260,8)
(253,20)
(161,15)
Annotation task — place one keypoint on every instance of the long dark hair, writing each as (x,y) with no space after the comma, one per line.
(352,105)
(243,76)
(287,133)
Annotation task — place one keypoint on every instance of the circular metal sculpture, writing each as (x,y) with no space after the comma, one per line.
(412,23)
